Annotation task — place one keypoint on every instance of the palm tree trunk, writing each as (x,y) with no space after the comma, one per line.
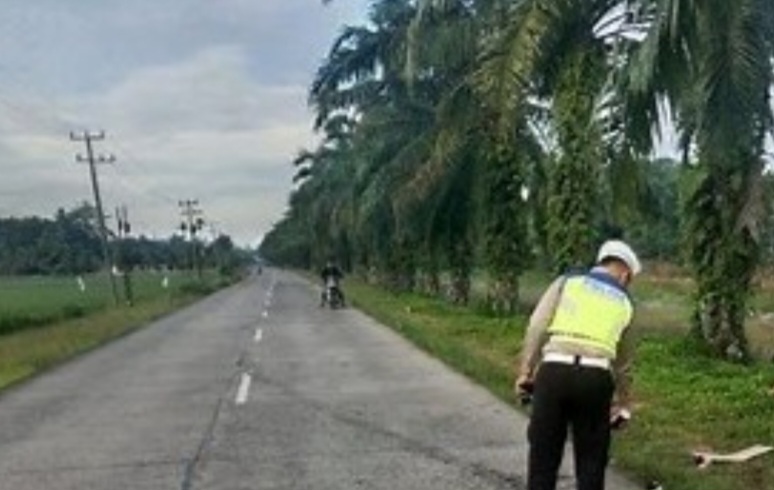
(461,258)
(725,252)
(506,244)
(573,181)
(431,278)
(503,294)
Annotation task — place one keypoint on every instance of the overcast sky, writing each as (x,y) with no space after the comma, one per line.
(199,99)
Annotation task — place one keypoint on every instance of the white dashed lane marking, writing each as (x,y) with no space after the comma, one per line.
(244,389)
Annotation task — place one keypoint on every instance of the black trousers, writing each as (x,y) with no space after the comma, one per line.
(578,398)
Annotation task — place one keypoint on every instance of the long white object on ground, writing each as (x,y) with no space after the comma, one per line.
(704,459)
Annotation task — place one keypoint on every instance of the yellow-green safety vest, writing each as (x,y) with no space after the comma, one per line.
(593,310)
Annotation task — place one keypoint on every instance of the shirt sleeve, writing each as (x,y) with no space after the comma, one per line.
(622,368)
(537,330)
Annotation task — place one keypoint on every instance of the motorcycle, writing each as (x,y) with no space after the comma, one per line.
(332,296)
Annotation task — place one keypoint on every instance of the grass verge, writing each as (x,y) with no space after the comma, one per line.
(28,352)
(686,401)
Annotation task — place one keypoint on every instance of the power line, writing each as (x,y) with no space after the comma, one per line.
(36,110)
(30,110)
(39,110)
(126,176)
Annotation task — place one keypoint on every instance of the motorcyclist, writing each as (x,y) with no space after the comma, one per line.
(331,277)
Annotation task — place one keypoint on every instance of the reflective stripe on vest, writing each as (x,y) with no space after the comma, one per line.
(593,311)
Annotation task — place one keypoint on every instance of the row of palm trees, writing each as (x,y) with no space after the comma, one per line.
(493,132)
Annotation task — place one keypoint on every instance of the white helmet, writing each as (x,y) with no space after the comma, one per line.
(621,251)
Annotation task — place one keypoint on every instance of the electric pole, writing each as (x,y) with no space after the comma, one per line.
(92,160)
(122,257)
(193,222)
(215,246)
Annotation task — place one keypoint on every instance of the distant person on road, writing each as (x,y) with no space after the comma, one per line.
(575,364)
(331,277)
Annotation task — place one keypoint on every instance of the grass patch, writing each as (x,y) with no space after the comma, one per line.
(686,401)
(34,301)
(25,353)
(480,347)
(91,321)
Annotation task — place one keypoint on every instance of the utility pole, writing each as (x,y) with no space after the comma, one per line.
(214,245)
(124,228)
(193,222)
(92,160)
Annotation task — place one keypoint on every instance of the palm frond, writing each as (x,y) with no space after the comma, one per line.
(735,76)
(353,57)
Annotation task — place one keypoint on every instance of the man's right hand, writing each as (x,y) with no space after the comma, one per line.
(619,417)
(523,387)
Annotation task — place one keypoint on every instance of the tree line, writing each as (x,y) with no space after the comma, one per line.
(509,134)
(70,244)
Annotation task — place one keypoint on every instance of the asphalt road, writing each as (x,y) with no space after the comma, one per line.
(257,387)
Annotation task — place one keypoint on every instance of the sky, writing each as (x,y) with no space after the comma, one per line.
(198,99)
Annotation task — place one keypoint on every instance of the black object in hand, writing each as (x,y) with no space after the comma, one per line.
(619,420)
(526,390)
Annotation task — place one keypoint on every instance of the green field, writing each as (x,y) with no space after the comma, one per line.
(47,320)
(33,301)
(684,400)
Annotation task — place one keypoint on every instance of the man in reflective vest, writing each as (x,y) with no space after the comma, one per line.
(575,363)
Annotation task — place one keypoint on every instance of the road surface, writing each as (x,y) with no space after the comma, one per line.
(256,387)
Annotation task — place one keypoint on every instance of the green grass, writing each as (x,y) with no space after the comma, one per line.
(685,401)
(34,301)
(52,320)
(480,347)
(27,352)
(688,401)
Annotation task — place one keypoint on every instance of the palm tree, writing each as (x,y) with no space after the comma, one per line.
(445,41)
(409,157)
(364,67)
(563,53)
(712,62)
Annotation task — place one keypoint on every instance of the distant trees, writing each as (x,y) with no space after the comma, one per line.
(66,244)
(70,244)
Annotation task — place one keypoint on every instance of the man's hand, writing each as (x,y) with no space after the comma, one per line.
(523,387)
(620,415)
